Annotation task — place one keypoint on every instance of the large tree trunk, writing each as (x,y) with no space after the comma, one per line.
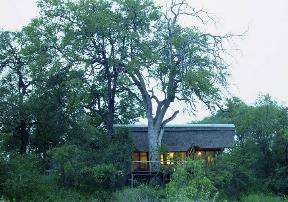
(154,156)
(23,131)
(23,128)
(157,122)
(110,117)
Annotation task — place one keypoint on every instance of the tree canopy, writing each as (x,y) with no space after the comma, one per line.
(260,155)
(82,66)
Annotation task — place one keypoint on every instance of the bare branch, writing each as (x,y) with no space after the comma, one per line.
(140,83)
(170,118)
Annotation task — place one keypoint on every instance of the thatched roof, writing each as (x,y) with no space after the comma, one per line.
(182,137)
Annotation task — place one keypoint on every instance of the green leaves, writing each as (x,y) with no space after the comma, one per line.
(258,161)
(190,182)
(103,176)
(23,180)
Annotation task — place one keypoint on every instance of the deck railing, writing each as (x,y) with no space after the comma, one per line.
(142,168)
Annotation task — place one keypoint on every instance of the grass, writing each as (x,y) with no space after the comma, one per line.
(261,197)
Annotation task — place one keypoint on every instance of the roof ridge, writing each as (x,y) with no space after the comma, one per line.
(192,125)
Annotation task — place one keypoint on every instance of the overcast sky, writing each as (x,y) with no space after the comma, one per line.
(260,67)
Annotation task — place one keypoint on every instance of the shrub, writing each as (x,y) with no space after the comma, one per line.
(190,183)
(142,193)
(24,180)
(233,174)
(93,169)
(279,180)
(66,162)
(104,176)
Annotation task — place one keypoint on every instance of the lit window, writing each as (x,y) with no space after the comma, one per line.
(210,156)
(140,161)
(170,157)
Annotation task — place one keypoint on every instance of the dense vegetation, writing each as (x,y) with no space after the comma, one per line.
(83,66)
(259,161)
(254,170)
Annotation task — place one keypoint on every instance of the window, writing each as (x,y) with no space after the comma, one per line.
(140,161)
(210,156)
(207,155)
(170,157)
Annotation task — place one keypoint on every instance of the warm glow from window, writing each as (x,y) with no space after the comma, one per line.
(199,153)
(170,157)
(210,156)
(162,159)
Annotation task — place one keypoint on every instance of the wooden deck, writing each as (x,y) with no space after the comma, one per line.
(141,169)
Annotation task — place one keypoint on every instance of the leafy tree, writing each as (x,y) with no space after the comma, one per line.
(15,118)
(257,162)
(91,164)
(55,100)
(278,179)
(90,36)
(60,79)
(116,47)
(123,45)
(172,63)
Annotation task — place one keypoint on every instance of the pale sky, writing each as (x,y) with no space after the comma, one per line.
(260,67)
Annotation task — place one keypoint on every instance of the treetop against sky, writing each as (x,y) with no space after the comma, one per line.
(260,65)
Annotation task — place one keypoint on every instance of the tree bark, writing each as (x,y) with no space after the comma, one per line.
(156,123)
(154,155)
(23,129)
(24,134)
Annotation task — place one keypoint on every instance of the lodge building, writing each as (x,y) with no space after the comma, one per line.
(181,141)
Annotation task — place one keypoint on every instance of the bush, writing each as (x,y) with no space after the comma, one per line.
(139,194)
(279,180)
(233,174)
(93,169)
(24,180)
(66,163)
(190,183)
(101,176)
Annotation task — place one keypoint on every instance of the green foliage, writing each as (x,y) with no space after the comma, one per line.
(139,194)
(233,174)
(66,195)
(261,197)
(3,176)
(258,162)
(279,179)
(93,168)
(69,75)
(190,182)
(120,150)
(103,176)
(24,179)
